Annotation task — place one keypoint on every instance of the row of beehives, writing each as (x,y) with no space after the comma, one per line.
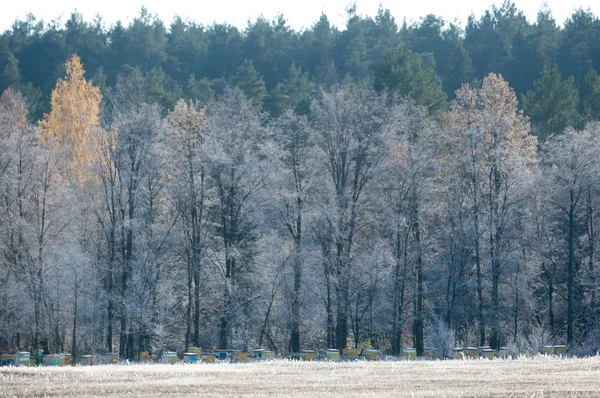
(194,355)
(503,352)
(36,358)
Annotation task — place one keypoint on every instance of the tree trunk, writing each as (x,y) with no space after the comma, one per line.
(341,329)
(495,187)
(419,322)
(551,307)
(197,308)
(570,269)
(591,251)
(188,312)
(480,317)
(295,335)
(398,288)
(329,309)
(74,353)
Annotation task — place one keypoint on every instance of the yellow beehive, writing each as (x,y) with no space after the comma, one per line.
(409,353)
(371,355)
(471,352)
(196,350)
(144,356)
(331,354)
(239,357)
(350,353)
(549,350)
(265,355)
(560,349)
(209,358)
(307,355)
(487,353)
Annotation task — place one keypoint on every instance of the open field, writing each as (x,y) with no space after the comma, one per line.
(538,377)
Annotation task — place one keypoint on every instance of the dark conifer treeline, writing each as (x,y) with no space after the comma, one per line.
(276,65)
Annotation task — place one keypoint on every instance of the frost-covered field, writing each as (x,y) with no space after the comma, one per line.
(523,377)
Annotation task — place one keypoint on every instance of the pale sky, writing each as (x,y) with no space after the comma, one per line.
(299,13)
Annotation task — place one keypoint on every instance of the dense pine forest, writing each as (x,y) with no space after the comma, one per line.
(382,185)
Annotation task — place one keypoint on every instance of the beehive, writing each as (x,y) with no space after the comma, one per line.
(86,360)
(239,356)
(332,354)
(549,350)
(485,347)
(222,354)
(8,360)
(430,352)
(66,359)
(458,353)
(52,360)
(409,353)
(23,358)
(471,352)
(208,357)
(307,355)
(169,357)
(195,350)
(350,353)
(371,354)
(144,356)
(190,357)
(487,353)
(111,357)
(294,356)
(560,349)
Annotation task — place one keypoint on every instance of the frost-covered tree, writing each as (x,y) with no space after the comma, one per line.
(570,168)
(185,137)
(293,183)
(349,129)
(237,167)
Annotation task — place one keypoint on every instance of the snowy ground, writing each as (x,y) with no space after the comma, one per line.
(523,377)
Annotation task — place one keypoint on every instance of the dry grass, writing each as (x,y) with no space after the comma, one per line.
(501,378)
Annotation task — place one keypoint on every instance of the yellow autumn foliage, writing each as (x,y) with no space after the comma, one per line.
(75,109)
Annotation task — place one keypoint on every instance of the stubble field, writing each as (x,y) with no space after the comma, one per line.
(539,377)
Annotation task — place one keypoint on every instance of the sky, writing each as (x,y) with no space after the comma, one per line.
(299,13)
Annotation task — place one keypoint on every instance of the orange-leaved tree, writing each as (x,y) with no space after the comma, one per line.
(75,109)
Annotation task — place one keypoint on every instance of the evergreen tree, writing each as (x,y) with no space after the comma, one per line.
(10,75)
(580,45)
(250,82)
(401,71)
(552,104)
(295,92)
(590,95)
